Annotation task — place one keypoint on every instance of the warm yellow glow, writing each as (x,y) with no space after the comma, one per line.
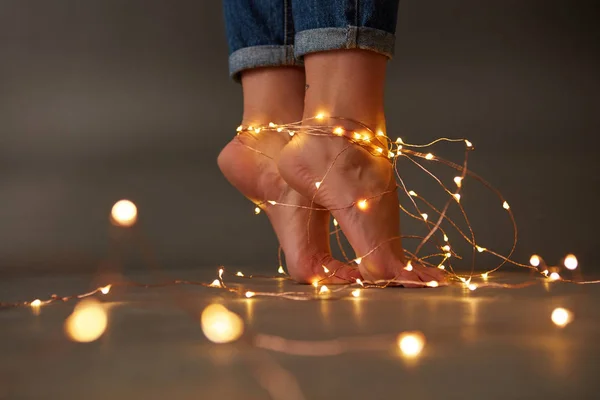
(359,281)
(424,215)
(505,205)
(441,266)
(257,130)
(411,343)
(445,238)
(216,283)
(324,289)
(446,247)
(221,325)
(315,283)
(291,133)
(358,260)
(469,144)
(320,116)
(36,303)
(257,210)
(272,125)
(380,133)
(105,289)
(472,286)
(362,204)
(325,269)
(458,181)
(480,249)
(457,197)
(221,270)
(338,130)
(448,255)
(399,140)
(335,223)
(429,156)
(281,129)
(318,184)
(545,272)
(250,128)
(272,202)
(356,293)
(561,316)
(366,137)
(570,262)
(239,273)
(250,294)
(433,284)
(390,154)
(408,266)
(357,135)
(485,276)
(239,128)
(380,150)
(124,213)
(412,193)
(87,322)
(281,270)
(535,260)
(554,276)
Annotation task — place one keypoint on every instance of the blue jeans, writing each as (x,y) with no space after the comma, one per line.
(268,33)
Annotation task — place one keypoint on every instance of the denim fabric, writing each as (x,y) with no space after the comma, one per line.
(264,33)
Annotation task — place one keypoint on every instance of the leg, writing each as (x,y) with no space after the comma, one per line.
(349,83)
(273,88)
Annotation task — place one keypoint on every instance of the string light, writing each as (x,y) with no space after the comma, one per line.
(408,266)
(457,197)
(429,156)
(324,289)
(561,317)
(281,270)
(362,204)
(36,303)
(554,276)
(216,283)
(412,193)
(105,289)
(359,281)
(570,262)
(239,273)
(356,293)
(411,344)
(358,260)
(441,266)
(87,322)
(338,131)
(480,249)
(250,294)
(485,276)
(433,284)
(505,205)
(318,184)
(257,210)
(325,269)
(425,216)
(472,286)
(220,325)
(458,181)
(535,260)
(335,223)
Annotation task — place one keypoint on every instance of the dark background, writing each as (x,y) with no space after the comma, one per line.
(102,100)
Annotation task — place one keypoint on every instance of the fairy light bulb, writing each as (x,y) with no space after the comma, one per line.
(221,270)
(425,216)
(456,197)
(408,266)
(554,276)
(124,213)
(441,266)
(472,286)
(446,248)
(399,140)
(281,270)
(221,325)
(380,150)
(535,260)
(571,262)
(257,210)
(105,289)
(325,269)
(272,202)
(411,343)
(359,282)
(87,322)
(433,284)
(318,184)
(257,130)
(239,128)
(356,293)
(505,205)
(412,193)
(280,129)
(357,135)
(335,223)
(485,276)
(358,260)
(338,130)
(380,133)
(448,255)
(429,156)
(445,238)
(469,144)
(324,289)
(291,133)
(239,273)
(366,137)
(561,317)
(480,249)
(250,294)
(362,204)
(458,181)
(272,125)
(320,116)
(36,303)
(215,283)
(545,272)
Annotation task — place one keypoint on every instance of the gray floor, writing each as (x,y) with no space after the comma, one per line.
(487,344)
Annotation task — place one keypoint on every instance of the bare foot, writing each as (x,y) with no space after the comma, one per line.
(372,227)
(257,177)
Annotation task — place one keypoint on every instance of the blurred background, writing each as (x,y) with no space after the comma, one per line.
(103,100)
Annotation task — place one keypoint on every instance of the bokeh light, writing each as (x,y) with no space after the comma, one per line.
(571,262)
(561,317)
(87,322)
(124,213)
(221,325)
(411,343)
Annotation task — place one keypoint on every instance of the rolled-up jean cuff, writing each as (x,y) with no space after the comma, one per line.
(350,37)
(261,56)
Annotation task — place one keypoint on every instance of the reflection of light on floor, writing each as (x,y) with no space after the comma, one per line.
(249,310)
(469,326)
(357,311)
(561,316)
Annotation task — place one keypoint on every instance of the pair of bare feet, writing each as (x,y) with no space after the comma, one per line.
(271,165)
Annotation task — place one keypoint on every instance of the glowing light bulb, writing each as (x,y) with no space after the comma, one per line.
(359,282)
(281,270)
(535,260)
(446,247)
(380,150)
(338,130)
(485,276)
(445,238)
(250,294)
(239,273)
(358,260)
(391,154)
(505,205)
(570,262)
(448,255)
(335,223)
(480,249)
(457,197)
(257,130)
(272,202)
(239,128)
(325,269)
(318,184)
(324,289)
(105,289)
(320,116)
(412,193)
(366,137)
(411,343)
(399,140)
(281,129)
(221,270)
(380,133)
(458,181)
(315,283)
(554,276)
(399,151)
(472,286)
(291,133)
(408,266)
(441,266)
(357,135)
(221,325)
(36,303)
(87,322)
(429,156)
(545,272)
(215,283)
(257,210)
(250,128)
(362,204)
(561,317)
(124,213)
(424,215)
(433,284)
(272,125)
(469,144)
(356,293)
